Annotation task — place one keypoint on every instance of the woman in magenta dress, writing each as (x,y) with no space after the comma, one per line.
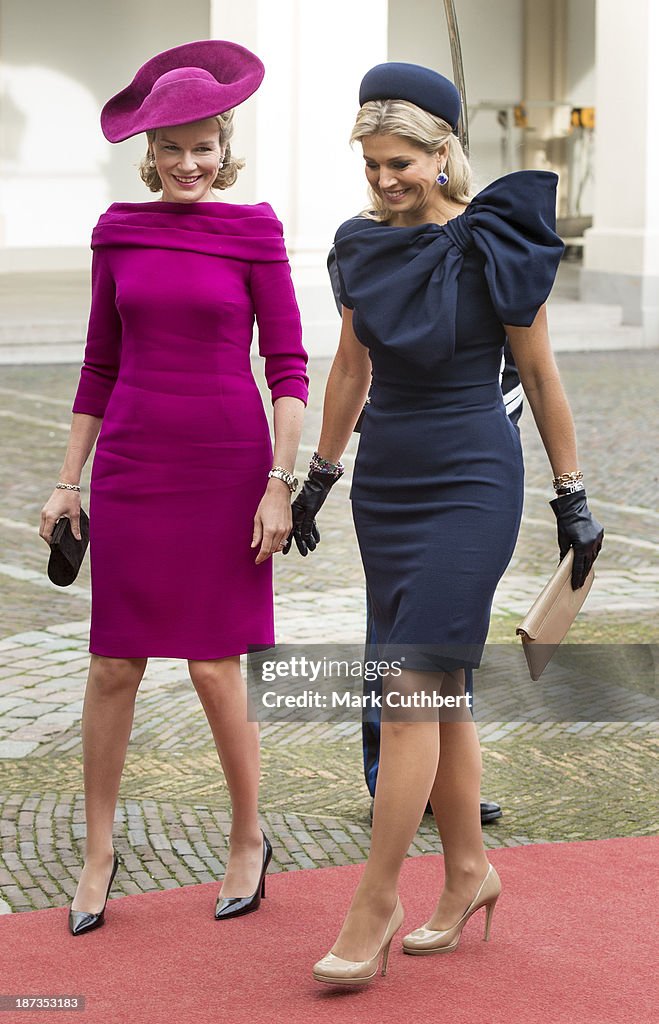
(188,502)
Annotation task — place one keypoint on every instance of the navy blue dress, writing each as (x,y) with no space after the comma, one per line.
(438,481)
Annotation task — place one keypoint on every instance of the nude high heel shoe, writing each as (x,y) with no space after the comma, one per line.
(423,941)
(334,971)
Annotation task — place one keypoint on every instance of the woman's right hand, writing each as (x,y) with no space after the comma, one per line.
(61,503)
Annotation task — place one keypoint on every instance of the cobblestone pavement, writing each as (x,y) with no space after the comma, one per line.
(557,781)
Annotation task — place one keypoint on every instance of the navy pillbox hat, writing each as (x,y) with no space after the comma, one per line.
(426,88)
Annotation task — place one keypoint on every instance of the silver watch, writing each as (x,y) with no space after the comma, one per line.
(288,478)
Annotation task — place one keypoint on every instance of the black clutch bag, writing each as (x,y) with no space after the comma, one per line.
(67,553)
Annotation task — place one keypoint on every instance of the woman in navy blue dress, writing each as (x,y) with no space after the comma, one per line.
(432,282)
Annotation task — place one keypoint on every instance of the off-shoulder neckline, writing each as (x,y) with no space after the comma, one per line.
(205,207)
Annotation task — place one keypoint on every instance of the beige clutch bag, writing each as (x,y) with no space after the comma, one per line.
(551,615)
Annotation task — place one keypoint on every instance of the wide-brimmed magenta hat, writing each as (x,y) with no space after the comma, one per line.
(187,83)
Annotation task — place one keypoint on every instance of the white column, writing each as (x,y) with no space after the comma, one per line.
(294,132)
(545,59)
(621,259)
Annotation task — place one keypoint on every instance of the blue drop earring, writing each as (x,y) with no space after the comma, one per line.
(442,178)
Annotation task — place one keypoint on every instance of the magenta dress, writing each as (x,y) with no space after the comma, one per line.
(183,455)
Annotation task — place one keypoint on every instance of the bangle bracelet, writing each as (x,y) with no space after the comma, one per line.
(321,465)
(59,486)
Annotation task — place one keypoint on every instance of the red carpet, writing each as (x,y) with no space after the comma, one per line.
(574,941)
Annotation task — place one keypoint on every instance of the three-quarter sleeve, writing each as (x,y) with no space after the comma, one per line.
(280,330)
(103,348)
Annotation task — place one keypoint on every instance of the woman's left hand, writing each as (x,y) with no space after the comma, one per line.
(578,529)
(273,520)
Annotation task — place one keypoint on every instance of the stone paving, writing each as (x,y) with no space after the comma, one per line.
(557,780)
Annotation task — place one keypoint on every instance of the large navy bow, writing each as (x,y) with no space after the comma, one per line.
(402,282)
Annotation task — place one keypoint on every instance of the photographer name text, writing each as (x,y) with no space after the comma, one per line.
(365,701)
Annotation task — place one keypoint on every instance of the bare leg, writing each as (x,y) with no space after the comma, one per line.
(223,694)
(107,719)
(409,753)
(455,799)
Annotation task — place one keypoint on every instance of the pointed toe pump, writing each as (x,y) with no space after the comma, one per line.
(80,921)
(236,906)
(423,941)
(332,970)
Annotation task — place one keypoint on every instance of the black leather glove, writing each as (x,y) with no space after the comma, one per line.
(305,508)
(578,529)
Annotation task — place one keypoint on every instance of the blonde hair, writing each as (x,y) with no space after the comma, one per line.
(427,131)
(228,172)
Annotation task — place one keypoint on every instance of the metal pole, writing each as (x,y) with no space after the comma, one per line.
(458,72)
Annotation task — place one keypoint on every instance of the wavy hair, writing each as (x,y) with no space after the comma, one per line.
(422,129)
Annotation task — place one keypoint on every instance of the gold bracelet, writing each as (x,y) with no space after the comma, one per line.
(567,478)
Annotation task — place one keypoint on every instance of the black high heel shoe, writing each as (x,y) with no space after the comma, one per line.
(81,921)
(235,906)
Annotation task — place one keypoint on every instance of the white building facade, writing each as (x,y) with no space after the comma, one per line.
(60,62)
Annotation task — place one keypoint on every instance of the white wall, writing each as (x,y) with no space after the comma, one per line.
(491,38)
(295,132)
(329,48)
(580,66)
(60,62)
(621,260)
(296,143)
